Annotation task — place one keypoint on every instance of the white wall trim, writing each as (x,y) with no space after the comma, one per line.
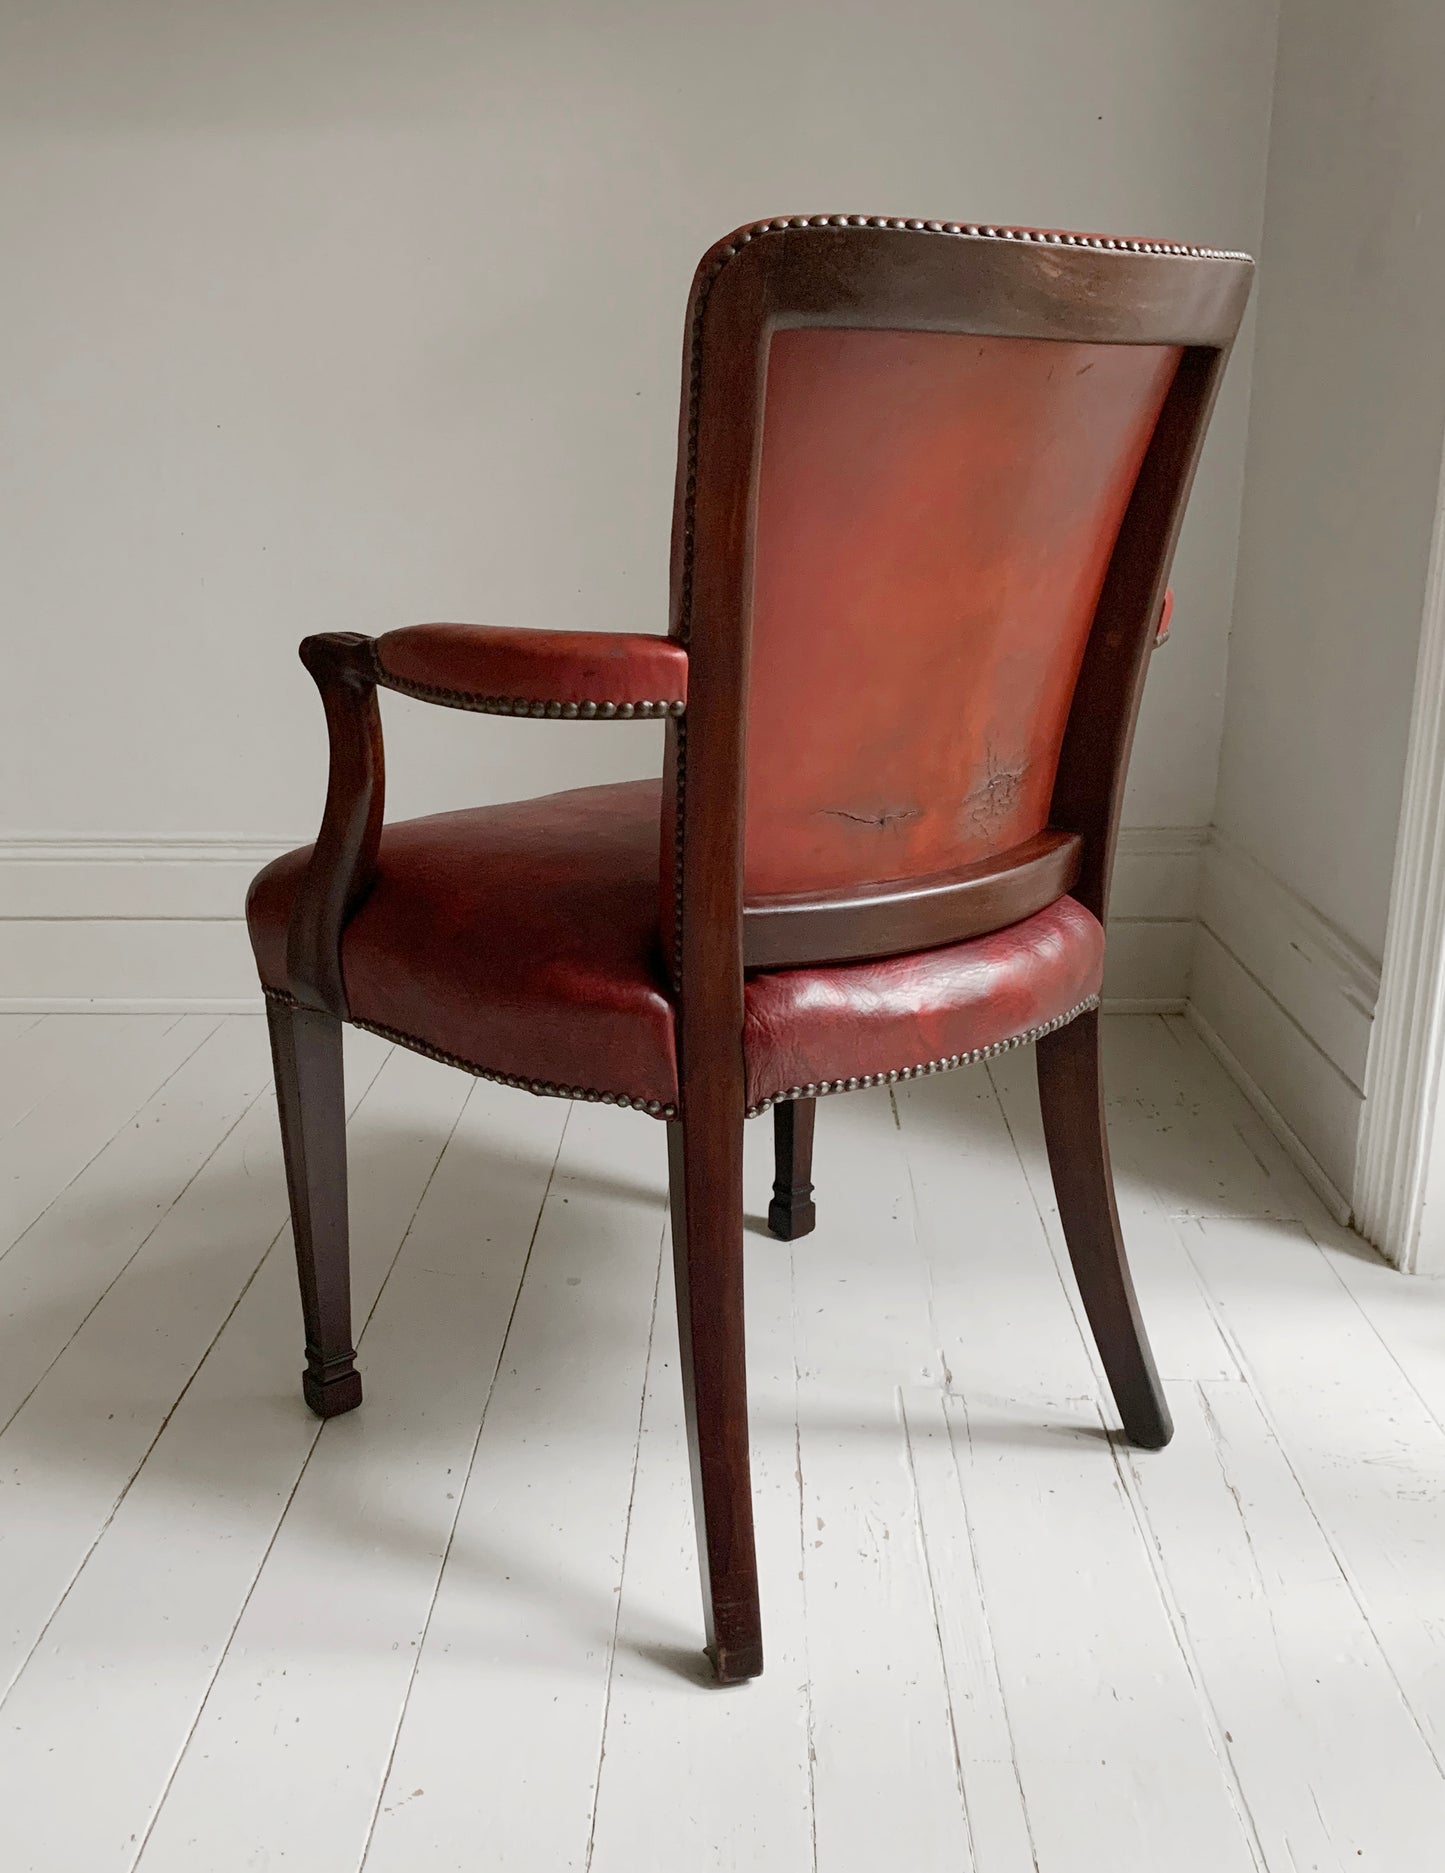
(42,847)
(1315,1174)
(252,1004)
(93,877)
(1400,1178)
(1153,905)
(1286,1001)
(152,924)
(1322,979)
(128,925)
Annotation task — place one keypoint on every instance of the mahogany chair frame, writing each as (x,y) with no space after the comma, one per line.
(858,272)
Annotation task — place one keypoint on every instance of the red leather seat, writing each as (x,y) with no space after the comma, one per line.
(519,940)
(522,941)
(821,1030)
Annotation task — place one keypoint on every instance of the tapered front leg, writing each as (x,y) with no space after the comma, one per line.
(306,1050)
(1071,1096)
(706,1177)
(792,1212)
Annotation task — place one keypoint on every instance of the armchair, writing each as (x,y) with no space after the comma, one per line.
(929,482)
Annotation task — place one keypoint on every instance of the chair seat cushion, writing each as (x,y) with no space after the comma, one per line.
(809,1031)
(521,941)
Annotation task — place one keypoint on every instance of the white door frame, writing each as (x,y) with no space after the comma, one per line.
(1399,1196)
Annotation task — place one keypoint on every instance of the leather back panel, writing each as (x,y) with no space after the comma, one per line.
(935,516)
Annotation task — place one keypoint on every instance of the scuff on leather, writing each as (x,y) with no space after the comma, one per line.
(883,818)
(997,793)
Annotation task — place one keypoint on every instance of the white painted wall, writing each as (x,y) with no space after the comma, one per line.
(1345,436)
(344,316)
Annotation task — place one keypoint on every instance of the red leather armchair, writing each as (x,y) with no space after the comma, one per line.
(929,482)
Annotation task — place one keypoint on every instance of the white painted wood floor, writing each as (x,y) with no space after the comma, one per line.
(460,1628)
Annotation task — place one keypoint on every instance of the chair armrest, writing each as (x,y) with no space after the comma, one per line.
(1166,613)
(493,670)
(497,670)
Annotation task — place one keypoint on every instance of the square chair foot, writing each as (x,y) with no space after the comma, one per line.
(329,1400)
(735,1664)
(788,1221)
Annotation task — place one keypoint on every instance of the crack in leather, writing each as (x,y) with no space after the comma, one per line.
(888,816)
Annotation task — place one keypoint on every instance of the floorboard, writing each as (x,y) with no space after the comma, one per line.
(1331,1764)
(64,1264)
(886,1775)
(83,1094)
(1000,1832)
(690,1780)
(148,1473)
(461,1628)
(501,1737)
(1368,1454)
(329,1636)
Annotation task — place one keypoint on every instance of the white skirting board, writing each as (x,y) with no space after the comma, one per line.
(1314,1172)
(137,925)
(128,925)
(1286,1002)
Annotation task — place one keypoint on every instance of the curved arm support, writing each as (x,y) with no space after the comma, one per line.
(608,675)
(497,670)
(343,860)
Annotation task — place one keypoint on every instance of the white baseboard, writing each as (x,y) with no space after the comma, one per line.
(141,925)
(1152,912)
(1286,1001)
(125,965)
(95,879)
(1322,980)
(1304,1159)
(128,925)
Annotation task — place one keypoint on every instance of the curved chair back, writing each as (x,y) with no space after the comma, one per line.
(929,483)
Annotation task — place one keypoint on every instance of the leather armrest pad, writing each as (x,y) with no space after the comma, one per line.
(507,671)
